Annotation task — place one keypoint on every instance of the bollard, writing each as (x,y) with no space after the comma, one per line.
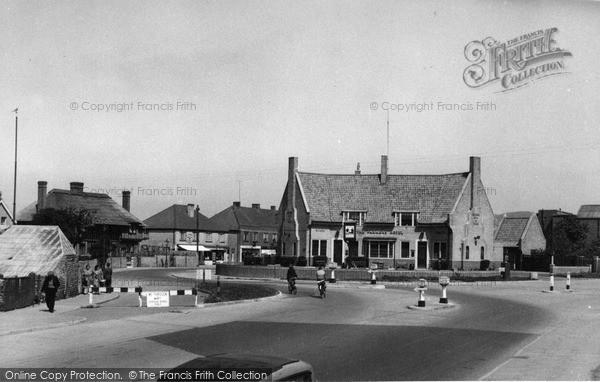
(140,299)
(444,282)
(551,283)
(332,279)
(568,280)
(373,278)
(218,285)
(332,266)
(421,288)
(91,296)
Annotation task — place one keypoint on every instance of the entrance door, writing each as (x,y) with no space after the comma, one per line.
(338,248)
(422,255)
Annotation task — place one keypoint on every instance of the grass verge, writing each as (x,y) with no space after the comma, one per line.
(234,292)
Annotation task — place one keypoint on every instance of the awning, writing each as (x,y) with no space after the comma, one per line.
(268,252)
(192,247)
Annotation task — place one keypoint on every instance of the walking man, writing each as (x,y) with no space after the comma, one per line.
(49,288)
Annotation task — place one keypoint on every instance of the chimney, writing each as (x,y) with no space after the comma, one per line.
(76,187)
(273,208)
(292,170)
(127,200)
(190,210)
(236,204)
(256,206)
(357,172)
(475,170)
(384,169)
(42,187)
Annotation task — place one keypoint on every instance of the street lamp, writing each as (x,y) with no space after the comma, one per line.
(198,233)
(167,253)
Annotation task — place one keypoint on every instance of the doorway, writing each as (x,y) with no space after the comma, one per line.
(422,255)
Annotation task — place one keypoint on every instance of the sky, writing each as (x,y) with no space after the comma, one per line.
(203,102)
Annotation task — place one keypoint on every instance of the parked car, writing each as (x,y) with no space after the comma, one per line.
(275,368)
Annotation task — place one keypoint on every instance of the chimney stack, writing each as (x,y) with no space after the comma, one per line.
(190,210)
(256,206)
(357,172)
(475,170)
(127,200)
(292,170)
(76,187)
(236,204)
(384,169)
(273,208)
(42,188)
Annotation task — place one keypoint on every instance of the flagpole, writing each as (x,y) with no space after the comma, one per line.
(16,111)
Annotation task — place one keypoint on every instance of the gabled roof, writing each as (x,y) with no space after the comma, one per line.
(235,218)
(589,211)
(107,210)
(29,248)
(512,227)
(176,217)
(433,196)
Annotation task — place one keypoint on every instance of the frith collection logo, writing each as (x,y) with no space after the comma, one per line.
(514,63)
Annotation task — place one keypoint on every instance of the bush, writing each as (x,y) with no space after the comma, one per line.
(285,261)
(301,261)
(319,261)
(484,265)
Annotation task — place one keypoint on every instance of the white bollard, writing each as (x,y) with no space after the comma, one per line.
(444,281)
(568,280)
(140,299)
(551,283)
(91,296)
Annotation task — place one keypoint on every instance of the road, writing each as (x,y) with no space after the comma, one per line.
(353,334)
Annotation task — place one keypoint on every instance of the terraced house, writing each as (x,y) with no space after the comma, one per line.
(411,221)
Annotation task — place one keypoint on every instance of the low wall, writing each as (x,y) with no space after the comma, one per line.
(309,273)
(18,292)
(562,271)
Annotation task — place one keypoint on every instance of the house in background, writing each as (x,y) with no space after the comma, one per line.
(589,215)
(114,224)
(412,221)
(252,230)
(6,218)
(182,228)
(517,234)
(37,249)
(549,220)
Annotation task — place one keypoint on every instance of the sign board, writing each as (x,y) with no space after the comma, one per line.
(350,231)
(157,299)
(501,269)
(444,280)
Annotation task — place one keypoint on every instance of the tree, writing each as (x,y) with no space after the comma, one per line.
(570,241)
(76,223)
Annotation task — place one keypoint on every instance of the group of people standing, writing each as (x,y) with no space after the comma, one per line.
(99,277)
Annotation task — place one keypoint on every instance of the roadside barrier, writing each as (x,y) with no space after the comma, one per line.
(444,281)
(138,290)
(551,283)
(568,280)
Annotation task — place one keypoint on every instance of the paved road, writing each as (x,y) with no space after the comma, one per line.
(353,334)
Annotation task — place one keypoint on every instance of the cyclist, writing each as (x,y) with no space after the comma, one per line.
(321,280)
(291,277)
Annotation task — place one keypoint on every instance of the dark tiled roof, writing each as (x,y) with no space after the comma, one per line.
(107,210)
(433,196)
(511,230)
(176,217)
(589,211)
(235,218)
(29,248)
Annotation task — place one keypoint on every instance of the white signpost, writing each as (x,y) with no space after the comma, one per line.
(157,299)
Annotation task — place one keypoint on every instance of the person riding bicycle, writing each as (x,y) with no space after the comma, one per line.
(291,275)
(320,277)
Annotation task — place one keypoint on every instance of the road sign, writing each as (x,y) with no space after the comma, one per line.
(157,299)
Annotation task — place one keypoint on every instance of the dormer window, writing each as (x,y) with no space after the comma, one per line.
(406,218)
(357,217)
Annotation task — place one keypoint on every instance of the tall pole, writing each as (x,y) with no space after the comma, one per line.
(16,111)
(198,233)
(388,133)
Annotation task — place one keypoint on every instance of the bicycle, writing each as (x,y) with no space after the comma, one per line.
(292,286)
(322,287)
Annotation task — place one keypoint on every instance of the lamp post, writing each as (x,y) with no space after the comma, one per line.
(167,253)
(198,233)
(16,111)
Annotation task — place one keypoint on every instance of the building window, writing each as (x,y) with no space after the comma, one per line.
(3,220)
(245,236)
(208,237)
(380,249)
(354,216)
(405,250)
(265,237)
(319,247)
(255,236)
(482,253)
(182,236)
(439,250)
(221,238)
(274,237)
(405,219)
(467,253)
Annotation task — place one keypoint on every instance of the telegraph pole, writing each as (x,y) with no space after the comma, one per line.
(16,111)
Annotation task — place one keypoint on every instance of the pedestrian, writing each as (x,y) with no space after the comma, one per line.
(98,277)
(87,278)
(49,288)
(108,275)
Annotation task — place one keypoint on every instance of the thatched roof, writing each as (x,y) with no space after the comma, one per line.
(29,248)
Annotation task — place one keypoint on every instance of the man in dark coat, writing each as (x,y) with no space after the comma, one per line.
(49,288)
(108,275)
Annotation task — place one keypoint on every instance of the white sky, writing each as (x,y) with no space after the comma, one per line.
(274,79)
